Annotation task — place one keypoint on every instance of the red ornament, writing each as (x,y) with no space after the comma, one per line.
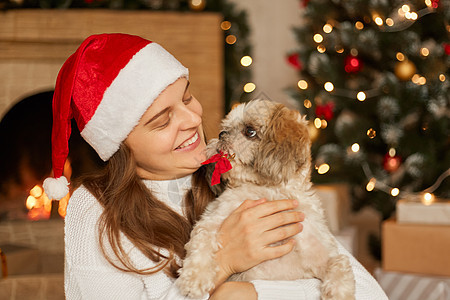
(222,165)
(294,61)
(353,64)
(325,111)
(391,163)
(305,3)
(447,48)
(435,3)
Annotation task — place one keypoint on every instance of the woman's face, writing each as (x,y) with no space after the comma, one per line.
(168,142)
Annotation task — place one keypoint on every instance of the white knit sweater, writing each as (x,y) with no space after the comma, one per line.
(88,275)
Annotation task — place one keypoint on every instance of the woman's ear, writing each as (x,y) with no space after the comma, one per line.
(285,147)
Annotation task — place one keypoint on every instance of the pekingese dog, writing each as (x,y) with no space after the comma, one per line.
(271,148)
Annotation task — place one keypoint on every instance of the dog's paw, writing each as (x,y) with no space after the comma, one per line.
(195,283)
(339,282)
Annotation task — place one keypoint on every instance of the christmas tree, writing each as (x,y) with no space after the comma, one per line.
(374,82)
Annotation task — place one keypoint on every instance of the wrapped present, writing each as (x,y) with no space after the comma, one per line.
(404,286)
(336,204)
(416,248)
(434,212)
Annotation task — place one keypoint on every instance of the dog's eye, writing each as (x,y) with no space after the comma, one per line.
(249,132)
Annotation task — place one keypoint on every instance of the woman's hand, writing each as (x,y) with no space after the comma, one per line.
(235,290)
(246,234)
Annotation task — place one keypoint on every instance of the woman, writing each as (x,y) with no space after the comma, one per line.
(126,226)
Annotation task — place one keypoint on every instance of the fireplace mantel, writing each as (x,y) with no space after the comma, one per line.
(34,43)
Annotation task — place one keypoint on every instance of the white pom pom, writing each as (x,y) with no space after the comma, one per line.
(56,188)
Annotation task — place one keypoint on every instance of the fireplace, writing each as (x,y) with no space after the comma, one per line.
(25,136)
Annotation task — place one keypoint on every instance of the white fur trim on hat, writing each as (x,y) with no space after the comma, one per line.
(124,102)
(56,188)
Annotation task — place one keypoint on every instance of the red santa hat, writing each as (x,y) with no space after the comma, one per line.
(106,86)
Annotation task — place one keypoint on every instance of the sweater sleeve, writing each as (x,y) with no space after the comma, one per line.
(87,273)
(367,288)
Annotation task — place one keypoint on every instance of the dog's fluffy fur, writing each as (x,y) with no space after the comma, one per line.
(272,160)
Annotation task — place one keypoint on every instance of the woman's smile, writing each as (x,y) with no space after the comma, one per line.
(190,143)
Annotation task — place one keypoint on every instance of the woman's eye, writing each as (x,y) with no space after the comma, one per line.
(250,132)
(187,100)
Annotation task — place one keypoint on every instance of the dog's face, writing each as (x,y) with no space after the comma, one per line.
(270,144)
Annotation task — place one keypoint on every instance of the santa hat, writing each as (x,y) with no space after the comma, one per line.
(106,86)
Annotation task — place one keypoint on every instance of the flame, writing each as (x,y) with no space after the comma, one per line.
(40,206)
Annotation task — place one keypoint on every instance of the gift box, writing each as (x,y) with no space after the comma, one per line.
(335,200)
(436,212)
(416,248)
(404,286)
(18,260)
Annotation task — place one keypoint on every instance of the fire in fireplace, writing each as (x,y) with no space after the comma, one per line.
(25,159)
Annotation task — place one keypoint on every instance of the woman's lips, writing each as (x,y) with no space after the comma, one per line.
(190,143)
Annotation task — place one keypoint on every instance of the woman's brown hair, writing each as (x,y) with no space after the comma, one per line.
(131,209)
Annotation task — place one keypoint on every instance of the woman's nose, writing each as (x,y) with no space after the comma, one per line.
(190,118)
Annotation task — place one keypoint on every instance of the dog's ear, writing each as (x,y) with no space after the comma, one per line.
(284,149)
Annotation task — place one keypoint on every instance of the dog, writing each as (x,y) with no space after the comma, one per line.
(271,148)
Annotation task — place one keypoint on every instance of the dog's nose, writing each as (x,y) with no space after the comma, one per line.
(222,134)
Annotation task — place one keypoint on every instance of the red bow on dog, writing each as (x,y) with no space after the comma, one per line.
(222,165)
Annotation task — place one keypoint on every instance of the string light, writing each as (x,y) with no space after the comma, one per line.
(359,25)
(442,77)
(323,124)
(405,8)
(321,48)
(307,103)
(230,39)
(378,21)
(318,38)
(411,15)
(246,61)
(361,96)
(323,168)
(327,28)
(339,49)
(395,192)
(371,133)
(317,123)
(419,80)
(354,52)
(371,184)
(392,152)
(427,198)
(424,51)
(400,56)
(389,22)
(249,87)
(302,84)
(355,147)
(409,18)
(225,25)
(328,86)
(197,4)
